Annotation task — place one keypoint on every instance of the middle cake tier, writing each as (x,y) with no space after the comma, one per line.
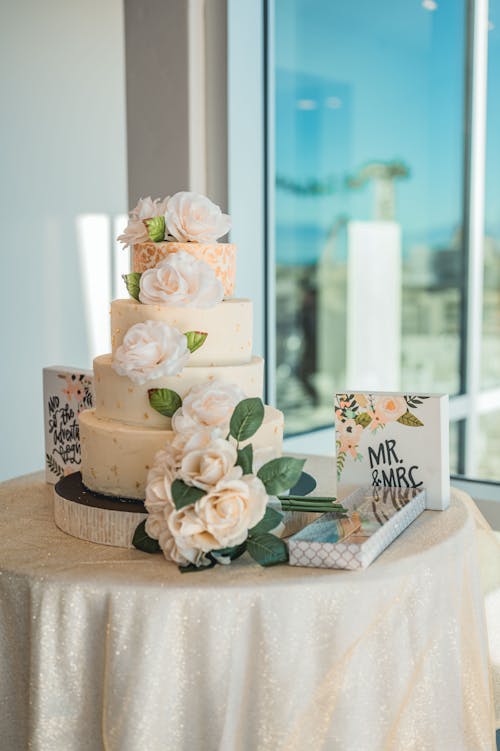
(118,398)
(228,326)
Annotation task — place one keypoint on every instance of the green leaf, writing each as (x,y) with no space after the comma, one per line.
(132,283)
(190,568)
(269,521)
(231,553)
(142,541)
(184,495)
(245,459)
(304,486)
(410,420)
(195,339)
(247,418)
(363,419)
(280,474)
(165,401)
(341,457)
(156,228)
(267,549)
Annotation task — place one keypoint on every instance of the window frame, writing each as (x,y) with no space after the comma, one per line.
(252,20)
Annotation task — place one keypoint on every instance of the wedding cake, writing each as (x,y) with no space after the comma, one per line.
(181,348)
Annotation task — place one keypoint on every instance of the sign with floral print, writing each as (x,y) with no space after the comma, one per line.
(66,392)
(401,440)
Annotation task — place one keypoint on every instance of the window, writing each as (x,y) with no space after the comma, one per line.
(379,233)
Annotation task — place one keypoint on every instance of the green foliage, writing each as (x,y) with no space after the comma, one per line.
(246,419)
(164,401)
(269,521)
(156,228)
(267,549)
(142,541)
(132,282)
(191,568)
(305,485)
(232,553)
(195,339)
(410,420)
(280,474)
(185,495)
(341,456)
(363,419)
(245,459)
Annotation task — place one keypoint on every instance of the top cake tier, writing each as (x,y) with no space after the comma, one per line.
(221,257)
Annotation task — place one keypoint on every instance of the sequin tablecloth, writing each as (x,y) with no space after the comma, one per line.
(104,648)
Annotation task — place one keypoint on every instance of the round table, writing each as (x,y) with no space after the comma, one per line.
(107,648)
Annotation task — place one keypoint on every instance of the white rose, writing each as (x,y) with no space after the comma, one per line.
(151,350)
(136,231)
(181,280)
(148,207)
(191,538)
(191,217)
(158,495)
(181,556)
(155,524)
(209,462)
(232,508)
(163,517)
(177,550)
(209,405)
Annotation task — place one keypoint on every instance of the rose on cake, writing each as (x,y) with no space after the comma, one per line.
(181,280)
(192,217)
(207,460)
(209,405)
(136,230)
(151,350)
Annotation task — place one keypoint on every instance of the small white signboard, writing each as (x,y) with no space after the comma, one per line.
(385,439)
(66,392)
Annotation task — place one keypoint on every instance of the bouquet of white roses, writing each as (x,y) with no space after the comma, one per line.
(205,502)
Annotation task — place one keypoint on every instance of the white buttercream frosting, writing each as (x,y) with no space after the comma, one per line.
(136,231)
(209,405)
(151,350)
(191,217)
(181,280)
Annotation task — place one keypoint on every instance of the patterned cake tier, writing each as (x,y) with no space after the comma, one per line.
(220,256)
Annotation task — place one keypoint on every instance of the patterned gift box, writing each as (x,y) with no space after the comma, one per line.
(375,517)
(66,392)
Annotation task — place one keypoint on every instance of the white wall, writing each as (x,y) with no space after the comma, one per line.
(62,156)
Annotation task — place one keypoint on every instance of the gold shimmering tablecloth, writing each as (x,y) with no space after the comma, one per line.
(104,648)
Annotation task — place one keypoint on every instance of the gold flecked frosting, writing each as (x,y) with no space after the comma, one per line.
(220,256)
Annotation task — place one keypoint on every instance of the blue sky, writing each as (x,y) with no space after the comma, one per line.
(384,81)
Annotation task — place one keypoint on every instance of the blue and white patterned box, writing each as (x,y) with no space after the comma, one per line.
(375,517)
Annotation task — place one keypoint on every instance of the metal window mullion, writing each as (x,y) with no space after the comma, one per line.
(269,200)
(474,225)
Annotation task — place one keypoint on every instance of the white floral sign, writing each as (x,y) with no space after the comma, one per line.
(401,440)
(66,392)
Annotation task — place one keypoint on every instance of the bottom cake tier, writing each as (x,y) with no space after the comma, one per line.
(116,457)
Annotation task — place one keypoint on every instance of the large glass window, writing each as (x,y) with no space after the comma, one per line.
(368,199)
(378,137)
